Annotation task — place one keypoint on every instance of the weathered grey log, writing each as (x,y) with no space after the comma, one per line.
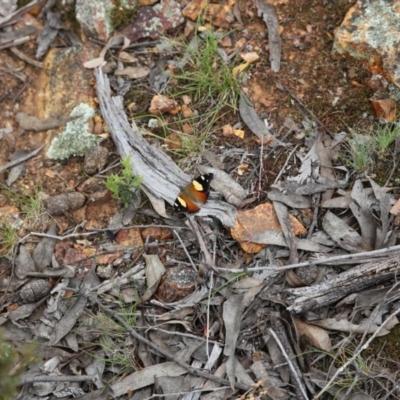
(352,281)
(161,176)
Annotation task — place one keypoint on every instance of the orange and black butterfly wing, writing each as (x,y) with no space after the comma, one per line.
(194,195)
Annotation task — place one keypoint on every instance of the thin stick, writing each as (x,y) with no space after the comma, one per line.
(55,378)
(327,260)
(185,250)
(25,58)
(21,159)
(289,361)
(286,163)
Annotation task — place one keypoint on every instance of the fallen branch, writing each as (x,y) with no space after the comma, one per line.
(352,281)
(336,260)
(22,159)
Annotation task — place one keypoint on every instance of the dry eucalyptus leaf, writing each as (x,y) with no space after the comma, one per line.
(154,271)
(145,377)
(69,319)
(311,334)
(24,263)
(133,72)
(289,198)
(271,20)
(114,41)
(362,212)
(256,221)
(43,253)
(347,238)
(251,119)
(232,191)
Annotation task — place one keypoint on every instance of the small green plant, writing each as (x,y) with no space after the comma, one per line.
(384,136)
(123,184)
(119,353)
(27,200)
(13,363)
(207,78)
(8,238)
(359,151)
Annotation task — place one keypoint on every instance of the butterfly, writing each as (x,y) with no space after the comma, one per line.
(194,195)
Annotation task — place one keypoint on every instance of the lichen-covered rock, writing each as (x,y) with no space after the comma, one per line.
(370,31)
(76,140)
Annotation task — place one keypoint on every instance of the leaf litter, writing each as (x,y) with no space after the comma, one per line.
(263,298)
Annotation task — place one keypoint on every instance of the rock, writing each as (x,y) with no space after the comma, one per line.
(62,85)
(58,205)
(94,17)
(370,31)
(95,159)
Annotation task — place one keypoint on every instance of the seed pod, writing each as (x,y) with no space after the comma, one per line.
(35,290)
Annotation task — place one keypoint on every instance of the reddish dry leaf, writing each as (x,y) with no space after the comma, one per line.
(385,108)
(395,210)
(187,112)
(311,334)
(173,141)
(239,133)
(227,130)
(259,219)
(161,104)
(250,57)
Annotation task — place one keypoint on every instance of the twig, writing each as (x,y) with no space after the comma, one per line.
(326,260)
(55,378)
(286,163)
(155,327)
(185,250)
(289,361)
(395,164)
(356,354)
(25,58)
(165,395)
(20,91)
(166,354)
(21,159)
(316,201)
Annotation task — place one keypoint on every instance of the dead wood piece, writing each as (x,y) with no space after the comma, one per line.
(161,176)
(351,281)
